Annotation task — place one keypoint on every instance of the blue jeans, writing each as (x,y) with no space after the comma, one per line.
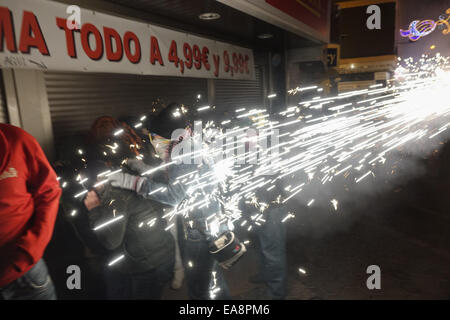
(199,277)
(272,252)
(36,284)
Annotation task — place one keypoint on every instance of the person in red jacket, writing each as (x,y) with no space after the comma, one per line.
(29,201)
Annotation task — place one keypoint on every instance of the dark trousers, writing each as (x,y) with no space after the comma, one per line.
(272,252)
(140,286)
(36,284)
(199,276)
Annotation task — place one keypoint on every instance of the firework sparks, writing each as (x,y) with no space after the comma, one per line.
(108,222)
(302,271)
(114,261)
(334,202)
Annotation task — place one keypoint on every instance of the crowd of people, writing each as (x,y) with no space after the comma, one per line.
(120,218)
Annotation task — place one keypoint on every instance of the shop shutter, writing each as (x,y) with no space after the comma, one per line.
(77,99)
(233,94)
(3,111)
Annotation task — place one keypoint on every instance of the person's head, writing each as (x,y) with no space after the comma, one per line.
(162,146)
(139,124)
(172,125)
(174,116)
(113,141)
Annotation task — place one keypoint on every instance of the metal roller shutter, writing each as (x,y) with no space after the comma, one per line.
(232,94)
(77,99)
(3,111)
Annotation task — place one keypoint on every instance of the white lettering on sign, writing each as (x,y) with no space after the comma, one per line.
(41,34)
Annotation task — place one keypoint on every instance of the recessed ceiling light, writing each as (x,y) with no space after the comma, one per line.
(209,16)
(265,36)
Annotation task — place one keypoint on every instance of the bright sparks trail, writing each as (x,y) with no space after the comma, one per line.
(113,262)
(108,223)
(356,131)
(322,140)
(353,137)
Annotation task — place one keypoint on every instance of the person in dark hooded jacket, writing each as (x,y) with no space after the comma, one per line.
(131,228)
(203,274)
(128,229)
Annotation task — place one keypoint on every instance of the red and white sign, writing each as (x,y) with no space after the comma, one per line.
(34,34)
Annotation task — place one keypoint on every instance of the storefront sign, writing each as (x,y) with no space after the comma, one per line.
(37,34)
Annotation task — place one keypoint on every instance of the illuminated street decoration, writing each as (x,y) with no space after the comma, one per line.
(421,28)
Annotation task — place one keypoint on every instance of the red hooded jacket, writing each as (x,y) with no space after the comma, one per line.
(29,200)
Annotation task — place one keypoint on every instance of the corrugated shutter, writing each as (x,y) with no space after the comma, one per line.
(77,99)
(3,111)
(232,94)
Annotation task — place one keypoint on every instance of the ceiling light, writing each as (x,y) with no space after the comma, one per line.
(265,36)
(209,16)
